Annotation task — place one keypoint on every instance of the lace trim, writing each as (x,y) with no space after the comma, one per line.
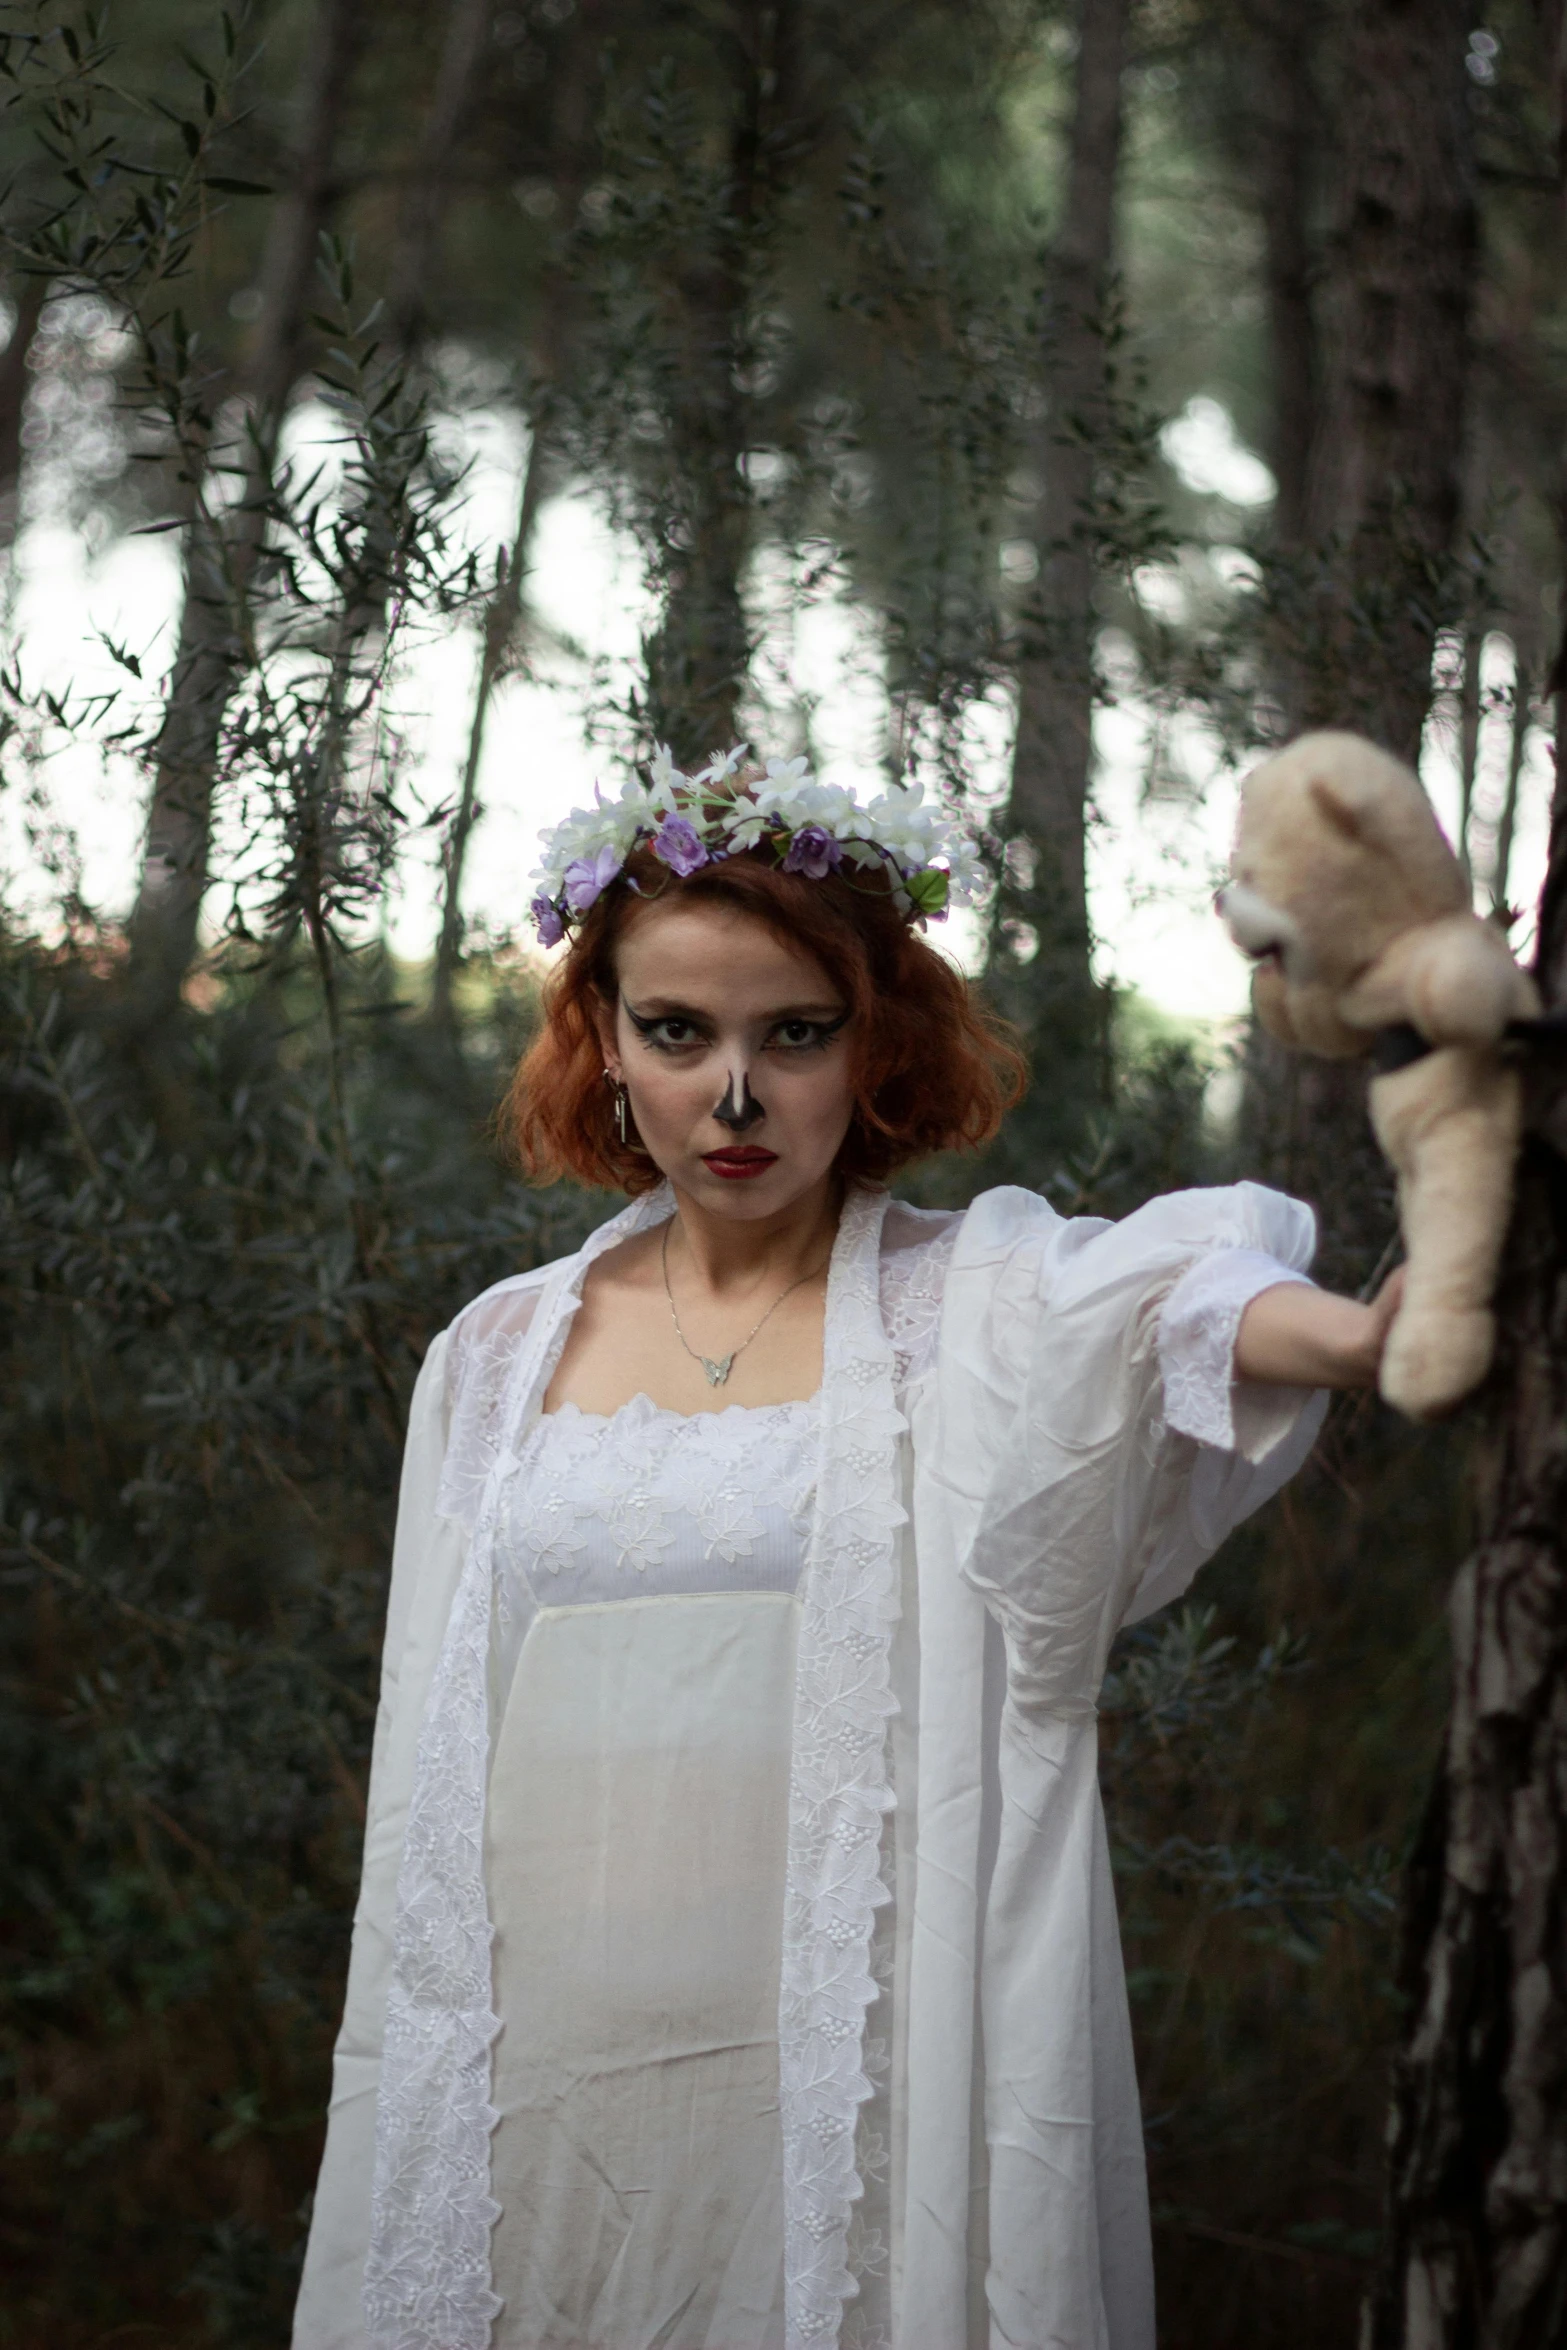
(867,2319)
(427,2276)
(913,1283)
(839,1788)
(1197,1332)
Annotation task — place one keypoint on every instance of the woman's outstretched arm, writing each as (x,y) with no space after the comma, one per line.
(1295,1336)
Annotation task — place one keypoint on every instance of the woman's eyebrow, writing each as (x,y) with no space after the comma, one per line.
(671,1008)
(664,1007)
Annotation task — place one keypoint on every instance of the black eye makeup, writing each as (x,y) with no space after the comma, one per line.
(676,1031)
(798,1034)
(668,1032)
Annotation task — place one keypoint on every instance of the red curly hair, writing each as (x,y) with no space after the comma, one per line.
(934,1069)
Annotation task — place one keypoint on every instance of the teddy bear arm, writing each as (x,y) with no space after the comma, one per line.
(1450,1126)
(1453,979)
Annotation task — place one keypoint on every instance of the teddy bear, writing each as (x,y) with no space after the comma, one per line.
(1362,931)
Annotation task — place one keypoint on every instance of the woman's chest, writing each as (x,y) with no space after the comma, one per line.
(645,1502)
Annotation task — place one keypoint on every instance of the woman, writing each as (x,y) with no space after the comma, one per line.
(736,1966)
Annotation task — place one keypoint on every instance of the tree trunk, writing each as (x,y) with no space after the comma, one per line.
(1361,597)
(29,294)
(1286,131)
(1477,2235)
(220,556)
(1040,963)
(1386,471)
(574,145)
(463,52)
(1517,748)
(698,657)
(1469,715)
(1477,2191)
(502,621)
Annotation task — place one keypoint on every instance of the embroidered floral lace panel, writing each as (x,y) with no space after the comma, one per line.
(649,1501)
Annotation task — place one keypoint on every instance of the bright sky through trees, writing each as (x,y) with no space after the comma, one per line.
(1156,854)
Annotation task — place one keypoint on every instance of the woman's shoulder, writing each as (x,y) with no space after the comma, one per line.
(503,1305)
(468,1371)
(906,1228)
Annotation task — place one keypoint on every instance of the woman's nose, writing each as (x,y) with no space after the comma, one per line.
(739,1108)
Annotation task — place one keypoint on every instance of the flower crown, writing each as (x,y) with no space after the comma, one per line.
(689,821)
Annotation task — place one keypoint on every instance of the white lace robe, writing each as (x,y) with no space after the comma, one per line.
(1027,1434)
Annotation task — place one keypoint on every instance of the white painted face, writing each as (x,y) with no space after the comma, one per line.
(734,1048)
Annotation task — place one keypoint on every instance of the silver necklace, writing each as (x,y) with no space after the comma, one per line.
(718,1372)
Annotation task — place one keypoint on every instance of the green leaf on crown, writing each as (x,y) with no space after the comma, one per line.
(928,890)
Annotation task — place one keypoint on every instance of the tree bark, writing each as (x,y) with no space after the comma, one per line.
(503,618)
(220,554)
(698,656)
(1477,2190)
(1286,137)
(463,52)
(1047,983)
(574,149)
(1518,744)
(1477,2235)
(1384,497)
(29,294)
(1361,594)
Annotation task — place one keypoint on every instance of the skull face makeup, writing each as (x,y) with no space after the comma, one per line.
(735,1049)
(739,1110)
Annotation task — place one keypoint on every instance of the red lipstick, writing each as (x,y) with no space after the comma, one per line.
(740,1162)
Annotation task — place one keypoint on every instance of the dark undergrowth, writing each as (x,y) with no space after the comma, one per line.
(215,1312)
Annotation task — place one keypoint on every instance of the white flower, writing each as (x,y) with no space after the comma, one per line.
(784,772)
(722,764)
(898,826)
(745,833)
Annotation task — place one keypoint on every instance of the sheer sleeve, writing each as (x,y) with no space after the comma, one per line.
(485,1341)
(1126,1452)
(454,1431)
(1198,1327)
(425,1560)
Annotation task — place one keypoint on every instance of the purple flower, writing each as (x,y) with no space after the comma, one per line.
(677,844)
(547,922)
(587,878)
(813,852)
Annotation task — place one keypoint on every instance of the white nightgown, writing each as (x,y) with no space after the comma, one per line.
(627,2031)
(638,1806)
(636,1832)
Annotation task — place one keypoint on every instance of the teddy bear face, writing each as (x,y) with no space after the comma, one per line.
(1337,853)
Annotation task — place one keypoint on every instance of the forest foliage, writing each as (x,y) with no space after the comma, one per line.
(899,304)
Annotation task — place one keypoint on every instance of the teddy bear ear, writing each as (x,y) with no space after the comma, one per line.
(1335,807)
